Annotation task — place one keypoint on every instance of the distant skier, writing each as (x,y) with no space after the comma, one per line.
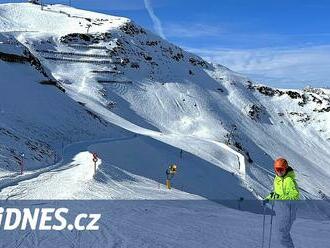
(282,199)
(170,172)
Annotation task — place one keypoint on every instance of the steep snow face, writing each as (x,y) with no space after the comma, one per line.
(140,82)
(36,119)
(103,64)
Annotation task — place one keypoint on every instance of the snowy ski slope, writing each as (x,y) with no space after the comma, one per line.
(228,127)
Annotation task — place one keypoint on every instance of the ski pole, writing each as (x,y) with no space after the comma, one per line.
(271,225)
(263,225)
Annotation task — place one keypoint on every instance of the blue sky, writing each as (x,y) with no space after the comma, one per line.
(284,43)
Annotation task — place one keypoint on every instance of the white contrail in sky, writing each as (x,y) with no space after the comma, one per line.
(157,23)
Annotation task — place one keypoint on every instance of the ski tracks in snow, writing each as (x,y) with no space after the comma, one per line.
(10,182)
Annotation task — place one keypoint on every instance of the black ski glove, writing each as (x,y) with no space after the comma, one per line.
(274,196)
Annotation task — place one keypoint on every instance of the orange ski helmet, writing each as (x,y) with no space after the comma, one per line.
(280,164)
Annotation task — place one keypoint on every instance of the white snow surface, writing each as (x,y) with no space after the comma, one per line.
(142,103)
(171,99)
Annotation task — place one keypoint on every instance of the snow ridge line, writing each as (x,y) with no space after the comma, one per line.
(75,54)
(81,60)
(242,168)
(88,47)
(240,157)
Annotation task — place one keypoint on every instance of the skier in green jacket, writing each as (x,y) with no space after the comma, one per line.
(283,201)
(285,185)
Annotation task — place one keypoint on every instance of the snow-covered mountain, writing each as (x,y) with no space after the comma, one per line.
(114,79)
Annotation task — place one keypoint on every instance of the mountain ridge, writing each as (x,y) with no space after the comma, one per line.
(133,79)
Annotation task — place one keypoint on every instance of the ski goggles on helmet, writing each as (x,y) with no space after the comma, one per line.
(280,170)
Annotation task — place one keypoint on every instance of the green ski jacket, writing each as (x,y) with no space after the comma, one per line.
(285,187)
